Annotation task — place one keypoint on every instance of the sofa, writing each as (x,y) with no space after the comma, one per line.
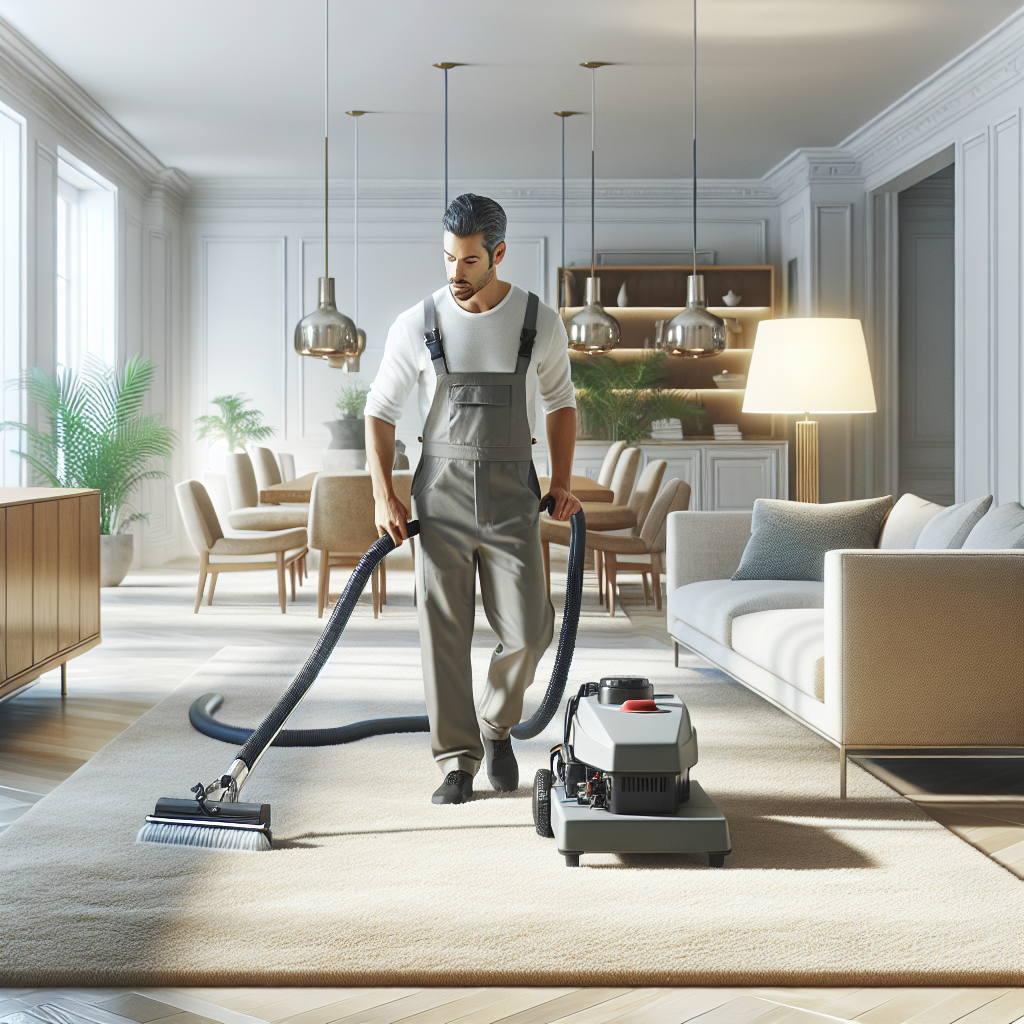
(897,647)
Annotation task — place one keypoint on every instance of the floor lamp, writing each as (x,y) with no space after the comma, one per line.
(803,366)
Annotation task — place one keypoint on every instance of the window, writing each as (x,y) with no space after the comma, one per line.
(10,286)
(86,224)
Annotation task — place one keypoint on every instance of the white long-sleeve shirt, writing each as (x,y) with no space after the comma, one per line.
(473,342)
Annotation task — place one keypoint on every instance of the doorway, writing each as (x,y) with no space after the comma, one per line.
(926,364)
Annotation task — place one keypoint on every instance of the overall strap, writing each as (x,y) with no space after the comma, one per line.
(432,336)
(529,333)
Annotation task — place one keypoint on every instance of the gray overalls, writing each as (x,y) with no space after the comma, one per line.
(476,494)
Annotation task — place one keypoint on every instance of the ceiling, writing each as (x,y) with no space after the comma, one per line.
(234,88)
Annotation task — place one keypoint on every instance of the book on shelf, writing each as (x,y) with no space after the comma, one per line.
(726,432)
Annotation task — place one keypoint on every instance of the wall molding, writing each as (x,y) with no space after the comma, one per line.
(992,65)
(307,193)
(47,91)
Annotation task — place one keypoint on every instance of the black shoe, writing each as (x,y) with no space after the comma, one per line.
(502,768)
(457,788)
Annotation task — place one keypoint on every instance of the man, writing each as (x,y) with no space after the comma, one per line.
(479,351)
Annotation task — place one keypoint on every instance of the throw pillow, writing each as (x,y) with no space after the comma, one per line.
(952,526)
(788,539)
(999,528)
(903,525)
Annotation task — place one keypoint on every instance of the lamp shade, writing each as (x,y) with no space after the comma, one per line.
(817,365)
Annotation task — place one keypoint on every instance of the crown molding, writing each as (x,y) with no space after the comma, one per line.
(38,85)
(804,167)
(992,65)
(541,192)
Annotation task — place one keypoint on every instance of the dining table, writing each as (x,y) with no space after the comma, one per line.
(588,491)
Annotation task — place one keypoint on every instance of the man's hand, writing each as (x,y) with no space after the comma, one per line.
(391,516)
(566,504)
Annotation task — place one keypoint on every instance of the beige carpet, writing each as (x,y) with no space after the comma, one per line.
(371,884)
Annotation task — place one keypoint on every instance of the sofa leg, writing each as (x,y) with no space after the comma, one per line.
(842,773)
(675,651)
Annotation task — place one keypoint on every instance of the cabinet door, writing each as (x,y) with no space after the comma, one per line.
(69,586)
(588,456)
(735,477)
(683,464)
(19,589)
(44,580)
(89,555)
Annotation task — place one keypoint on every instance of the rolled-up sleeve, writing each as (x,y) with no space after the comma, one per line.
(399,373)
(554,372)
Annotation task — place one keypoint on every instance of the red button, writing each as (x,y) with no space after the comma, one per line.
(640,705)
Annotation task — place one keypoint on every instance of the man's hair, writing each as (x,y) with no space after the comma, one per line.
(472,215)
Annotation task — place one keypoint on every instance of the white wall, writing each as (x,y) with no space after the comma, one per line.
(257,251)
(151,302)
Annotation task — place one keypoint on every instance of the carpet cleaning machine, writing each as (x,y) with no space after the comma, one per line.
(618,783)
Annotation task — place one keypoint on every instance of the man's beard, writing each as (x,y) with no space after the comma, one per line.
(464,290)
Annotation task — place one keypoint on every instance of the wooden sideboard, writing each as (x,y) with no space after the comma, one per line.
(50,567)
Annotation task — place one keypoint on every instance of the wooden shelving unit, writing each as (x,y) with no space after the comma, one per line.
(664,288)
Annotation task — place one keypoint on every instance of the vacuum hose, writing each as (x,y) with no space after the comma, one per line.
(271,732)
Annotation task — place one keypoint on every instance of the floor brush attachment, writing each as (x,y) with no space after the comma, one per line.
(210,825)
(215,818)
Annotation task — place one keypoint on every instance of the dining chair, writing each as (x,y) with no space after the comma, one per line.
(643,553)
(640,504)
(265,467)
(342,527)
(611,457)
(218,553)
(286,460)
(246,511)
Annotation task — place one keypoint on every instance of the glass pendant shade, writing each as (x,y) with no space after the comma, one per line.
(350,364)
(695,332)
(327,334)
(592,329)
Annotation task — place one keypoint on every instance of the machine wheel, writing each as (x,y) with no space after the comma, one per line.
(542,803)
(716,860)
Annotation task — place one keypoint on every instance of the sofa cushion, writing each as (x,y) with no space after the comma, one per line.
(953,525)
(789,539)
(711,605)
(1000,528)
(789,642)
(906,520)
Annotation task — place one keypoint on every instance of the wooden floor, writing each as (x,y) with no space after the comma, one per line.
(152,641)
(514,1006)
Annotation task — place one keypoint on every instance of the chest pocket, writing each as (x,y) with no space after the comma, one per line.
(480,414)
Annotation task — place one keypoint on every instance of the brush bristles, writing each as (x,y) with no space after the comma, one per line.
(204,837)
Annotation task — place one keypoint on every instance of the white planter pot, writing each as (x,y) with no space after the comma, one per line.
(116,552)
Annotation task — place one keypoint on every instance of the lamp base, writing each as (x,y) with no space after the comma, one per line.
(807,461)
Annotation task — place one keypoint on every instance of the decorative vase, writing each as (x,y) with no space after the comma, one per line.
(347,433)
(116,551)
(732,299)
(622,299)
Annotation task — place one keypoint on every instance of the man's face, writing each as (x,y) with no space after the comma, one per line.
(467,264)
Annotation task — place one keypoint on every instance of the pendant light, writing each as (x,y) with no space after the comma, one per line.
(325,333)
(695,332)
(350,364)
(592,329)
(446,66)
(563,285)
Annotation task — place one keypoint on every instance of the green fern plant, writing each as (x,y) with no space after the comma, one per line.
(619,401)
(351,402)
(95,435)
(236,425)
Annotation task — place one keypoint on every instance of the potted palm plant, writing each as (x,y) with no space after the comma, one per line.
(620,401)
(236,425)
(93,434)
